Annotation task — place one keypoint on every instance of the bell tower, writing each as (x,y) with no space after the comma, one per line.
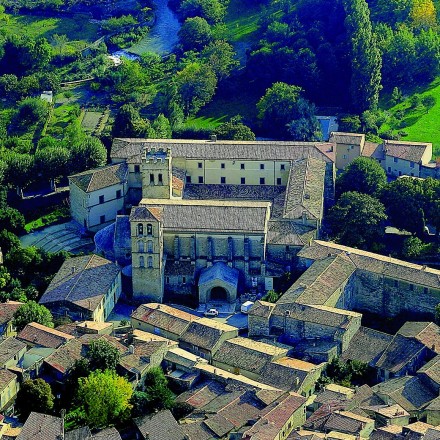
(156,173)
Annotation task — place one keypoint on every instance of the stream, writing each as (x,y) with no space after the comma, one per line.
(163,35)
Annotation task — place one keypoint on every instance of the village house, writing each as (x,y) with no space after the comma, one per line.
(86,287)
(37,335)
(42,426)
(159,426)
(7,310)
(11,351)
(9,387)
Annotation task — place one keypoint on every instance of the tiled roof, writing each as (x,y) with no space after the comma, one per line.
(37,334)
(219,272)
(7,310)
(342,421)
(412,151)
(206,333)
(399,353)
(432,369)
(389,267)
(245,150)
(164,317)
(143,213)
(65,356)
(197,431)
(99,178)
(9,348)
(289,233)
(219,425)
(389,411)
(83,433)
(6,377)
(262,309)
(211,215)
(433,433)
(317,284)
(160,426)
(42,426)
(83,281)
(391,432)
(107,434)
(426,333)
(367,345)
(409,392)
(305,189)
(373,150)
(202,395)
(246,354)
(340,137)
(140,359)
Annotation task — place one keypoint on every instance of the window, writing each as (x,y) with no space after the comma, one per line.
(150,247)
(411,164)
(183,280)
(160,178)
(200,179)
(222,179)
(140,229)
(345,156)
(243,181)
(200,165)
(150,262)
(278,180)
(118,194)
(261,166)
(137,169)
(101,199)
(395,159)
(102,219)
(188,179)
(282,167)
(141,246)
(223,166)
(242,166)
(262,180)
(149,229)
(152,178)
(141,261)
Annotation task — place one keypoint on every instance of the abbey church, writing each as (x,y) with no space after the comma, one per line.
(216,218)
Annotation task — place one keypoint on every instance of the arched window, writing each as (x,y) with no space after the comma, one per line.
(141,246)
(150,262)
(149,229)
(150,247)
(140,229)
(141,261)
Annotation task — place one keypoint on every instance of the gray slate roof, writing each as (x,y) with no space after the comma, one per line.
(412,151)
(42,426)
(82,281)
(160,426)
(9,348)
(99,178)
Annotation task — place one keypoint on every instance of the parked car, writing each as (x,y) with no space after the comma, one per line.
(211,312)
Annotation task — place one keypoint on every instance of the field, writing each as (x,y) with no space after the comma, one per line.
(420,123)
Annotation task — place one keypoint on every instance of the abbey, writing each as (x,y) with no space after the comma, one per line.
(216,218)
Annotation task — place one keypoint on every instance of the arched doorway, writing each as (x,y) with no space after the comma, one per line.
(218,294)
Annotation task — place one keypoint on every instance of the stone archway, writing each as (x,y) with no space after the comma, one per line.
(218,293)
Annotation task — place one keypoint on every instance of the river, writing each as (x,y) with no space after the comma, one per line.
(163,36)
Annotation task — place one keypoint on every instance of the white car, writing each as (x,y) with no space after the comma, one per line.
(211,312)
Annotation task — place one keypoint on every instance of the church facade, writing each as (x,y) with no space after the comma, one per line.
(216,218)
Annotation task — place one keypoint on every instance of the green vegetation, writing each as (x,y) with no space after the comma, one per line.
(241,20)
(32,312)
(58,215)
(34,395)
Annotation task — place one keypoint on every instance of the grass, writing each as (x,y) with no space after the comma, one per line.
(76,29)
(57,216)
(420,124)
(242,21)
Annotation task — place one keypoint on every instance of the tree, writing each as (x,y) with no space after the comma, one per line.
(357,220)
(277,108)
(32,111)
(363,175)
(304,126)
(34,395)
(271,296)
(32,312)
(88,153)
(105,398)
(212,10)
(220,56)
(413,247)
(157,394)
(366,61)
(103,356)
(126,122)
(12,220)
(235,130)
(423,14)
(195,34)
(19,171)
(52,162)
(161,127)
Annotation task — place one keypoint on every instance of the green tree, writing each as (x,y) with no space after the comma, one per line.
(161,127)
(12,220)
(235,130)
(19,171)
(34,395)
(271,296)
(366,61)
(219,54)
(126,122)
(32,111)
(363,175)
(212,10)
(195,34)
(88,153)
(357,220)
(103,356)
(437,314)
(157,394)
(413,247)
(32,312)
(105,398)
(52,162)
(305,126)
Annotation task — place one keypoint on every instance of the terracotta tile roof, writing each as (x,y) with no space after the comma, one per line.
(99,178)
(391,432)
(367,345)
(88,339)
(7,310)
(65,356)
(83,433)
(206,333)
(160,426)
(432,433)
(211,215)
(9,348)
(412,151)
(83,281)
(164,317)
(219,425)
(373,150)
(37,334)
(140,359)
(342,421)
(242,409)
(417,427)
(246,354)
(42,426)
(386,266)
(143,213)
(245,150)
(202,395)
(197,430)
(177,183)
(426,333)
